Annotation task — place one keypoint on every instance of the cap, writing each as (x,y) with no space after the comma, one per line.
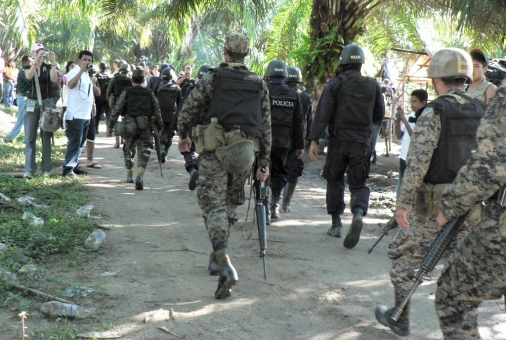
(479,52)
(37,47)
(237,43)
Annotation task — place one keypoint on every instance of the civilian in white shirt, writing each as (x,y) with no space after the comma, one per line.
(81,96)
(404,128)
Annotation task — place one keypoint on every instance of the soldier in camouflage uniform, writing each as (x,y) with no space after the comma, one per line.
(116,86)
(476,272)
(140,104)
(442,141)
(220,190)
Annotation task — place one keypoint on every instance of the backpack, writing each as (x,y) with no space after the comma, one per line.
(103,82)
(121,83)
(167,97)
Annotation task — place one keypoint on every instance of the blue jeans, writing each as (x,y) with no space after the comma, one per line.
(76,131)
(16,130)
(9,91)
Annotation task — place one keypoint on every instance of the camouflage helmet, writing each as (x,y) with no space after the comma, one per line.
(276,68)
(166,73)
(294,75)
(237,157)
(352,54)
(203,70)
(451,63)
(163,66)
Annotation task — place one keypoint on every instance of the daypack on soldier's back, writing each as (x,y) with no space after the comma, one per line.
(121,83)
(167,97)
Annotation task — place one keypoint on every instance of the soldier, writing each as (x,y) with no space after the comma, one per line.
(141,115)
(287,131)
(169,96)
(476,272)
(117,85)
(231,106)
(442,142)
(350,104)
(295,165)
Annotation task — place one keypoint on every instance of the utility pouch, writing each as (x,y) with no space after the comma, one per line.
(209,137)
(428,197)
(127,128)
(234,136)
(142,122)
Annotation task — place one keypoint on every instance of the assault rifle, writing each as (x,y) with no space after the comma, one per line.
(261,192)
(158,150)
(430,260)
(392,224)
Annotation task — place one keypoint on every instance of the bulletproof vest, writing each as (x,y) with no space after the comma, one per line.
(121,83)
(283,101)
(138,102)
(459,123)
(167,97)
(305,100)
(355,98)
(103,82)
(236,101)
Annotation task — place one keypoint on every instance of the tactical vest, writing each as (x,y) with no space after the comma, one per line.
(459,123)
(283,101)
(138,102)
(355,99)
(236,101)
(167,97)
(103,82)
(121,83)
(305,100)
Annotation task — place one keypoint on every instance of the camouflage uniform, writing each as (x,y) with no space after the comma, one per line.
(220,192)
(143,139)
(409,246)
(477,270)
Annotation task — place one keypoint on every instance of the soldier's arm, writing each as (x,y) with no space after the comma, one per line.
(118,109)
(109,88)
(264,156)
(324,111)
(298,126)
(156,112)
(423,143)
(379,106)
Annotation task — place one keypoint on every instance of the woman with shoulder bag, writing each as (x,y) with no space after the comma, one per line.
(39,75)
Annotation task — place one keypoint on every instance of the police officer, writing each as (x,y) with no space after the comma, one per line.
(442,142)
(349,104)
(169,96)
(119,83)
(287,130)
(232,110)
(295,165)
(103,78)
(154,82)
(141,112)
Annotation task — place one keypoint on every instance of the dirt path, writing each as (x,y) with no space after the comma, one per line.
(317,289)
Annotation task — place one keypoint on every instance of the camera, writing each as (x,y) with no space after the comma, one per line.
(144,59)
(90,66)
(46,54)
(91,69)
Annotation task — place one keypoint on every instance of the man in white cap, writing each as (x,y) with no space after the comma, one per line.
(44,74)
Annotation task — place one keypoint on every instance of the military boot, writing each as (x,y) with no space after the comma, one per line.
(335,230)
(213,267)
(384,317)
(353,235)
(130,175)
(194,179)
(139,183)
(228,275)
(276,196)
(287,197)
(116,145)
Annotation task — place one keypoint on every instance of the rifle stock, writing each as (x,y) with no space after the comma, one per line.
(430,260)
(392,224)
(260,194)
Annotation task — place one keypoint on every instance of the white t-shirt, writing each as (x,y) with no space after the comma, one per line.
(406,138)
(81,98)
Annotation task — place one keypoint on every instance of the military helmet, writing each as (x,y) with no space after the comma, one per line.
(294,75)
(203,70)
(163,66)
(451,63)
(237,157)
(124,66)
(166,73)
(352,54)
(276,68)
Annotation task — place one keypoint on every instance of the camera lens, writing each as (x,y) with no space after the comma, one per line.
(90,66)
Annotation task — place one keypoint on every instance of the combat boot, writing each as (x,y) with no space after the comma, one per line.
(399,327)
(353,235)
(228,275)
(194,179)
(116,145)
(213,267)
(335,230)
(139,183)
(130,175)
(287,196)
(276,196)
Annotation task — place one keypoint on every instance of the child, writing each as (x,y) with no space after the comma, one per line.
(480,88)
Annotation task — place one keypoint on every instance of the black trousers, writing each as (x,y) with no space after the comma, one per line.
(351,158)
(277,169)
(294,167)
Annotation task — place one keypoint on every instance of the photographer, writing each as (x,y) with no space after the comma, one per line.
(81,96)
(184,81)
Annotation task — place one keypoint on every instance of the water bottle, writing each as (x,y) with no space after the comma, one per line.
(57,309)
(4,198)
(84,211)
(95,240)
(34,220)
(24,200)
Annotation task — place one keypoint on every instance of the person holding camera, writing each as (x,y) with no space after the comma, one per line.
(44,74)
(81,96)
(184,82)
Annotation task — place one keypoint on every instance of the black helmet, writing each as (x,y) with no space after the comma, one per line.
(294,75)
(162,67)
(352,54)
(276,68)
(203,70)
(166,73)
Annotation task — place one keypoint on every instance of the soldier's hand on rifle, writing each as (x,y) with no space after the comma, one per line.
(441,221)
(184,145)
(299,153)
(401,215)
(261,176)
(313,150)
